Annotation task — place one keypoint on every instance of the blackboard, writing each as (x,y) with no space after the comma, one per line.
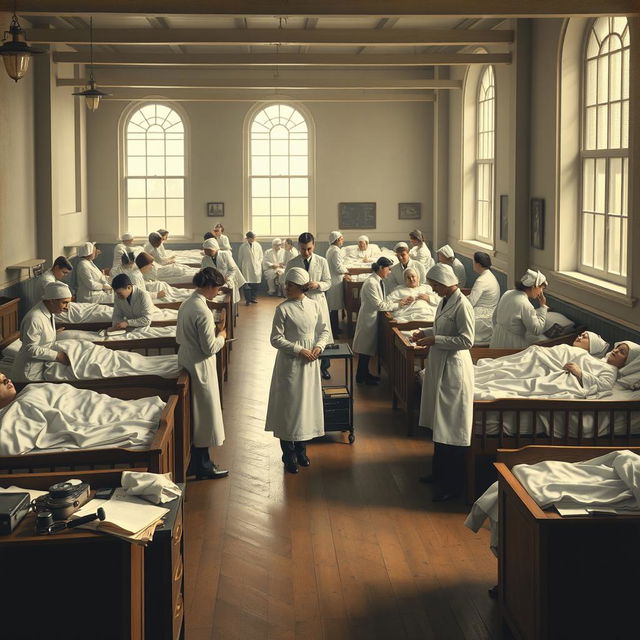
(357,215)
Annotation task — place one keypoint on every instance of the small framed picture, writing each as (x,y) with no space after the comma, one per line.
(215,209)
(537,223)
(504,218)
(409,210)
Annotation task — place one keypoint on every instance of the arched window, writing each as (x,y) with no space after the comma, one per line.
(279,172)
(604,150)
(154,171)
(485,156)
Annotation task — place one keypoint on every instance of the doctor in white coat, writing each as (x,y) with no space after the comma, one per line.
(484,297)
(38,334)
(447,256)
(446,405)
(405,261)
(250,263)
(93,285)
(60,268)
(339,273)
(420,251)
(319,283)
(299,333)
(196,335)
(132,306)
(514,317)
(372,300)
(273,265)
(222,261)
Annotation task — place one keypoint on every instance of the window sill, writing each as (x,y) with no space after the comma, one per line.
(473,246)
(601,288)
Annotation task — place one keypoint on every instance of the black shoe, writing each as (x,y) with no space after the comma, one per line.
(493,592)
(369,380)
(426,479)
(325,374)
(444,496)
(254,302)
(303,459)
(375,378)
(214,473)
(247,303)
(290,467)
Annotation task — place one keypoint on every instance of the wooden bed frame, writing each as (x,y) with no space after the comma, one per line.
(550,566)
(9,325)
(352,297)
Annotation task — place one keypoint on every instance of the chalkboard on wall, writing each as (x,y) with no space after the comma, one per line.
(357,215)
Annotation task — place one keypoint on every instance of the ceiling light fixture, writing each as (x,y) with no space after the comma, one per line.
(91,94)
(15,52)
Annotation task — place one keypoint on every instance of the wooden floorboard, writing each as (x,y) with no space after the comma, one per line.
(350,548)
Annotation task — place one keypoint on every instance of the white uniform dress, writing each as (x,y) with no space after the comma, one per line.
(38,337)
(422,254)
(396,275)
(227,266)
(272,258)
(91,283)
(513,318)
(484,298)
(337,269)
(250,261)
(372,300)
(196,335)
(447,391)
(295,411)
(118,251)
(137,310)
(318,272)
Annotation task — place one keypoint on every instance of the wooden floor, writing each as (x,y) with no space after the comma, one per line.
(351,547)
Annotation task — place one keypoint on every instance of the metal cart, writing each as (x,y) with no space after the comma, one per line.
(337,400)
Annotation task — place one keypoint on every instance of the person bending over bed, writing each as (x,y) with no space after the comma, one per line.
(132,307)
(147,268)
(38,334)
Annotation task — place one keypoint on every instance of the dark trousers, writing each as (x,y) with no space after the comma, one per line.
(363,367)
(251,291)
(290,449)
(448,467)
(200,462)
(325,363)
(335,322)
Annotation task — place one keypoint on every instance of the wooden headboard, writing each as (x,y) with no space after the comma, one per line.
(9,325)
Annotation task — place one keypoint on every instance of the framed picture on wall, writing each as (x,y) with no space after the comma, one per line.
(215,209)
(504,218)
(356,215)
(409,210)
(536,212)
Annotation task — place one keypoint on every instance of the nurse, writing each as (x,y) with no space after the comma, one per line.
(223,262)
(446,405)
(223,240)
(154,248)
(196,335)
(132,306)
(447,256)
(515,317)
(38,334)
(419,250)
(405,261)
(484,297)
(299,333)
(93,285)
(273,265)
(250,262)
(338,272)
(372,300)
(124,246)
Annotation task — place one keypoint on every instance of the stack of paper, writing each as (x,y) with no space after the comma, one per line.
(335,392)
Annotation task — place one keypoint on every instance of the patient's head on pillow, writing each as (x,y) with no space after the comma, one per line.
(626,356)
(592,343)
(411,278)
(619,355)
(7,391)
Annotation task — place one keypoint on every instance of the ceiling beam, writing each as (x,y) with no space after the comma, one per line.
(294,37)
(381,8)
(282,59)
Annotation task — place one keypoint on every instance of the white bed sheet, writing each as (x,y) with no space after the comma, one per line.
(80,312)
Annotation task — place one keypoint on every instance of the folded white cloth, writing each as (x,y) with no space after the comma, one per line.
(154,487)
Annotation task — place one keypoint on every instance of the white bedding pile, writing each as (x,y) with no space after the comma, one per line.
(416,311)
(47,417)
(188,256)
(80,312)
(173,273)
(100,336)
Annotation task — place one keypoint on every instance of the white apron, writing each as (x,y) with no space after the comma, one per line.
(295,411)
(447,391)
(250,261)
(513,318)
(484,298)
(195,333)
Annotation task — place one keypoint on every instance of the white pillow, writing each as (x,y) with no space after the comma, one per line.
(11,351)
(553,317)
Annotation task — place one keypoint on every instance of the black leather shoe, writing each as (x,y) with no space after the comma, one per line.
(325,374)
(426,479)
(375,378)
(290,467)
(444,496)
(254,302)
(369,380)
(247,303)
(303,459)
(214,473)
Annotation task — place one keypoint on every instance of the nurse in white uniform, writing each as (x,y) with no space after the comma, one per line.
(419,250)
(299,333)
(196,335)
(484,297)
(124,246)
(250,263)
(223,241)
(38,335)
(222,261)
(273,265)
(93,285)
(132,306)
(446,405)
(405,261)
(515,317)
(447,256)
(154,248)
(289,250)
(60,268)
(372,300)
(339,273)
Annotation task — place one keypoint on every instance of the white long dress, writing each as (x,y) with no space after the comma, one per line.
(513,318)
(337,269)
(396,275)
(272,258)
(372,300)
(446,404)
(196,335)
(484,298)
(295,412)
(250,261)
(91,283)
(422,254)
(137,310)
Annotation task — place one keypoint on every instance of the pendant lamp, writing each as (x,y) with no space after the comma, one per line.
(16,53)
(91,94)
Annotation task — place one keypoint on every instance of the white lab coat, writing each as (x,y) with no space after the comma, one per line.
(250,261)
(38,337)
(227,266)
(295,410)
(513,318)
(196,335)
(137,310)
(91,283)
(223,243)
(422,254)
(42,282)
(372,300)
(396,275)
(272,258)
(118,251)
(337,269)
(318,272)
(447,391)
(159,253)
(289,254)
(484,298)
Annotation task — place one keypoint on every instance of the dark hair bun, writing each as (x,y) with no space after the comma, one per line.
(208,277)
(482,259)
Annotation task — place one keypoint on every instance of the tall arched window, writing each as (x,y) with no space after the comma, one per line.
(155,172)
(605,150)
(485,156)
(279,172)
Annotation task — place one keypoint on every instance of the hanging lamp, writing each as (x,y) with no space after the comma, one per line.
(91,94)
(16,53)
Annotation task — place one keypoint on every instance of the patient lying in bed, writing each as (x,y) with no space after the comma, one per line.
(425,300)
(80,312)
(45,417)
